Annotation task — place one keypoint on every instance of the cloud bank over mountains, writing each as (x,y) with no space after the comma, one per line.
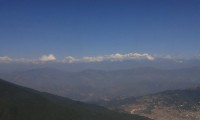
(112,57)
(5,59)
(85,59)
(42,59)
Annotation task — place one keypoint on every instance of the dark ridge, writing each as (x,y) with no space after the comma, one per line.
(20,103)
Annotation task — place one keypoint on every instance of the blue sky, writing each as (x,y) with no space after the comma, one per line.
(31,28)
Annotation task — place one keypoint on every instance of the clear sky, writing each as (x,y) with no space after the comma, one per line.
(31,28)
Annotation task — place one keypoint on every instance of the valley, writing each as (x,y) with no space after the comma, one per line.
(167,105)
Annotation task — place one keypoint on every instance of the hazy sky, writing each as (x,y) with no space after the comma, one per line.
(31,28)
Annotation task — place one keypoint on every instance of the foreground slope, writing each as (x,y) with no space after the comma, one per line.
(20,103)
(167,105)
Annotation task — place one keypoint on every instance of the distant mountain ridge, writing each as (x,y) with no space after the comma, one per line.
(97,85)
(20,103)
(92,85)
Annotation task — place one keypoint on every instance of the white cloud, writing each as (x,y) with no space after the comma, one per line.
(93,59)
(130,56)
(112,57)
(70,59)
(47,58)
(5,59)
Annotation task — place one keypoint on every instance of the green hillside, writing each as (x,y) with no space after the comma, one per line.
(20,103)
